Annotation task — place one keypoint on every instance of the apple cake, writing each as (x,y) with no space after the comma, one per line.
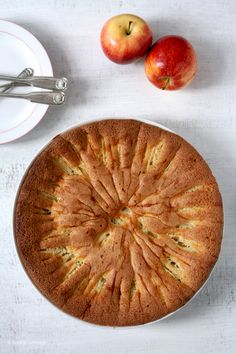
(118,222)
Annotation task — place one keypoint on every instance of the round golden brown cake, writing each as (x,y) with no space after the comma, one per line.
(118,222)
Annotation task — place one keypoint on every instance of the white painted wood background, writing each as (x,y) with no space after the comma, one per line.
(204,113)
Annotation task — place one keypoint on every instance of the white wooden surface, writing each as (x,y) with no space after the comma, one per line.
(204,113)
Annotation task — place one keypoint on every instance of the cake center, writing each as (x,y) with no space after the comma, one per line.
(123,218)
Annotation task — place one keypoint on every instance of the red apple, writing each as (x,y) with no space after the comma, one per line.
(171,63)
(125,38)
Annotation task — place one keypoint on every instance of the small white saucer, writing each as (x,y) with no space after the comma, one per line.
(20,49)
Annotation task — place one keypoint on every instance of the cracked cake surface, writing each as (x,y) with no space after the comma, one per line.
(118,222)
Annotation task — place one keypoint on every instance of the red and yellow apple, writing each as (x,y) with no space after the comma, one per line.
(125,38)
(171,63)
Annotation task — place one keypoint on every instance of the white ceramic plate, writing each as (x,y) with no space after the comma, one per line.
(20,49)
(77,319)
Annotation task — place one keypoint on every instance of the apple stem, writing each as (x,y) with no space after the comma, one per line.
(167,81)
(129,28)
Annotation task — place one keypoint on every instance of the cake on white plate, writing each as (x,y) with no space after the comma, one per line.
(119,222)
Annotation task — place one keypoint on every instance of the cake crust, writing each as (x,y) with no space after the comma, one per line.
(118,222)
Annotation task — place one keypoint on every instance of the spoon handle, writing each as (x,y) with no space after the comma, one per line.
(50,98)
(45,82)
(27,72)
